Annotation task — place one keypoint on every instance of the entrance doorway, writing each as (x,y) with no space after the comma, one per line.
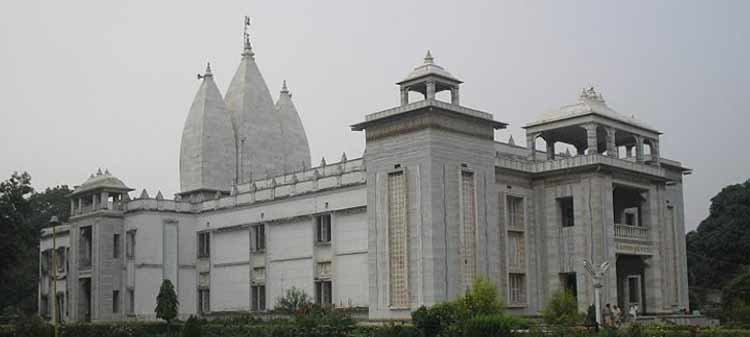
(630,282)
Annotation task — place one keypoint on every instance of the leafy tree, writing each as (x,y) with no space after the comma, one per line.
(166,302)
(717,249)
(294,300)
(18,248)
(562,309)
(483,298)
(736,297)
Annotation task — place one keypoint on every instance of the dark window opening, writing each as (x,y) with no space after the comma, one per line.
(323,294)
(258,293)
(323,228)
(567,214)
(204,245)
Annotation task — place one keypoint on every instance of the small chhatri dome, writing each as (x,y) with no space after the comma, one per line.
(429,67)
(101,180)
(590,101)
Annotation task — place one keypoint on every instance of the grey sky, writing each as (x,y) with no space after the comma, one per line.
(108,83)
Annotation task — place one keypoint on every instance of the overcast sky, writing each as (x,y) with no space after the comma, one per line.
(108,84)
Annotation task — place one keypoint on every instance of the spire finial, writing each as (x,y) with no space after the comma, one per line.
(248,49)
(428,59)
(208,72)
(284,89)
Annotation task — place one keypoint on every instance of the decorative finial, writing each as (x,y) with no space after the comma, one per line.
(511,141)
(284,89)
(343,157)
(323,162)
(99,172)
(106,172)
(208,72)
(428,59)
(591,94)
(248,49)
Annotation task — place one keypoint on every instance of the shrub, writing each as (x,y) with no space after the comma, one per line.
(166,302)
(483,299)
(192,327)
(392,330)
(431,322)
(314,320)
(496,325)
(32,326)
(562,309)
(294,300)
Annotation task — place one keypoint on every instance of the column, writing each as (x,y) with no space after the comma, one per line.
(655,151)
(72,206)
(430,90)
(629,151)
(104,200)
(550,149)
(580,149)
(404,96)
(638,148)
(611,147)
(531,144)
(80,205)
(454,96)
(591,138)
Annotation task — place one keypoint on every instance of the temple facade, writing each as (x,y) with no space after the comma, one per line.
(435,202)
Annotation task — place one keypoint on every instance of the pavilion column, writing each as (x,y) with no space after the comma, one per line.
(611,147)
(591,138)
(430,90)
(72,206)
(655,151)
(80,205)
(454,96)
(580,149)
(629,151)
(638,148)
(404,96)
(104,200)
(550,149)
(531,144)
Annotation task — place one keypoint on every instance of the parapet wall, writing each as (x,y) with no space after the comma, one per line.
(325,177)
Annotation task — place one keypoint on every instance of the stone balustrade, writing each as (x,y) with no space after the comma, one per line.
(335,175)
(543,166)
(631,232)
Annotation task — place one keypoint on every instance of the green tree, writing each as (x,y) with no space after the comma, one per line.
(166,303)
(736,297)
(717,249)
(19,241)
(562,309)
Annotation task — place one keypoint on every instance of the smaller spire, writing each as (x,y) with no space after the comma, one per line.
(99,172)
(323,162)
(159,196)
(284,89)
(343,157)
(428,59)
(144,194)
(106,172)
(511,141)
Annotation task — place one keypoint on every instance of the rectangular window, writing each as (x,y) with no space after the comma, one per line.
(630,219)
(515,213)
(204,244)
(259,233)
(517,289)
(569,282)
(323,292)
(115,301)
(45,262)
(468,211)
(516,251)
(115,246)
(131,301)
(258,293)
(84,252)
(204,298)
(130,244)
(398,234)
(567,216)
(323,228)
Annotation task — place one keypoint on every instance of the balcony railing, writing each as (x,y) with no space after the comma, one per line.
(113,206)
(631,232)
(541,166)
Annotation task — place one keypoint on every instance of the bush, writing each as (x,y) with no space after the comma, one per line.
(497,325)
(32,326)
(483,299)
(562,309)
(431,322)
(192,327)
(392,330)
(294,300)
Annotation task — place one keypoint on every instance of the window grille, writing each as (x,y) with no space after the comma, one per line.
(517,289)
(397,240)
(204,244)
(468,210)
(516,251)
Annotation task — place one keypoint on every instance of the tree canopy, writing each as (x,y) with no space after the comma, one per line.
(717,251)
(23,213)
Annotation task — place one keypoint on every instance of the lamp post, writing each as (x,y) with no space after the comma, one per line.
(54,222)
(597,273)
